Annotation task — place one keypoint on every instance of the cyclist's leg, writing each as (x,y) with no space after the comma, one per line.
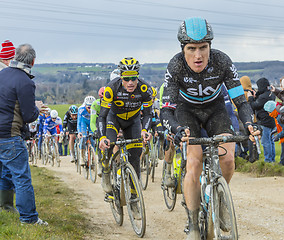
(191,186)
(72,138)
(169,155)
(111,133)
(135,150)
(213,127)
(82,146)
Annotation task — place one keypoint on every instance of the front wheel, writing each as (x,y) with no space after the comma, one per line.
(224,218)
(116,208)
(144,170)
(134,200)
(93,165)
(170,194)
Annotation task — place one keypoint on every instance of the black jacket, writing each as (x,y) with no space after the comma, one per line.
(262,96)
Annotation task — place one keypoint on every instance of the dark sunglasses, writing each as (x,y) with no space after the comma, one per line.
(54,118)
(89,107)
(127,79)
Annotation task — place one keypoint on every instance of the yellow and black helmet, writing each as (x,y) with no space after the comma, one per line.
(129,64)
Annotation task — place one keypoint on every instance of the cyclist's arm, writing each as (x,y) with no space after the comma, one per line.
(79,121)
(147,116)
(93,118)
(169,99)
(105,107)
(65,120)
(236,92)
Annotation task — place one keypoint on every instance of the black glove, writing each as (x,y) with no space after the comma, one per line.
(180,133)
(95,135)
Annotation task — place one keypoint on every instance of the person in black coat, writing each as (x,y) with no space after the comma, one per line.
(257,101)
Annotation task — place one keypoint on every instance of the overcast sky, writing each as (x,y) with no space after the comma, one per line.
(64,31)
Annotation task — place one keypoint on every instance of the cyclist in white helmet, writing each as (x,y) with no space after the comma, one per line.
(83,125)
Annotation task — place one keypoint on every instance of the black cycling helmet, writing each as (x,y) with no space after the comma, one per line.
(194,30)
(73,109)
(128,64)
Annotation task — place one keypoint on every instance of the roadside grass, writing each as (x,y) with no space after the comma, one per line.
(260,168)
(56,204)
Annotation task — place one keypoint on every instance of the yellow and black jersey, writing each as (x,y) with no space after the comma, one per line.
(124,104)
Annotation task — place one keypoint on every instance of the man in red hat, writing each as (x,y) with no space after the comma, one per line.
(7,54)
(6,185)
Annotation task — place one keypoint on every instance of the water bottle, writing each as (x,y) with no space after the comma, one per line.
(118,178)
(207,193)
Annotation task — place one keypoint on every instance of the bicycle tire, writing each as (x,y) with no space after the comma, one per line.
(169,193)
(44,154)
(154,159)
(56,153)
(35,152)
(93,166)
(219,190)
(130,178)
(78,160)
(116,208)
(144,170)
(87,163)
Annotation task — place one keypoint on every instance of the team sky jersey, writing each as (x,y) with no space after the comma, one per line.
(126,105)
(68,122)
(50,125)
(199,90)
(95,111)
(83,120)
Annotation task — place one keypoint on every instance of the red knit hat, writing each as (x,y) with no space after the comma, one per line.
(8,50)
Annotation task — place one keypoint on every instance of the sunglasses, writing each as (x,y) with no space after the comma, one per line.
(88,107)
(53,118)
(127,79)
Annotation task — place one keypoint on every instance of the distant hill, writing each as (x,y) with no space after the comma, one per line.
(71,82)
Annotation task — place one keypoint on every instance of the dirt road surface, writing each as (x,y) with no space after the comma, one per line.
(259,205)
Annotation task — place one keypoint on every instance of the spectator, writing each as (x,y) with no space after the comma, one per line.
(257,101)
(248,146)
(279,117)
(6,185)
(17,86)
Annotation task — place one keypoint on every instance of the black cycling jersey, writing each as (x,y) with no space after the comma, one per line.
(125,105)
(200,90)
(69,123)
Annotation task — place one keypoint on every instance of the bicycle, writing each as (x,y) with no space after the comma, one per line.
(148,161)
(77,152)
(177,173)
(31,145)
(91,163)
(215,192)
(52,149)
(145,165)
(126,188)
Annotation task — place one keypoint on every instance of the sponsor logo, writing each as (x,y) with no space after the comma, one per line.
(235,73)
(189,80)
(167,77)
(201,92)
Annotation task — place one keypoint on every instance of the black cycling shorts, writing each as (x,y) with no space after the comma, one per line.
(72,128)
(213,118)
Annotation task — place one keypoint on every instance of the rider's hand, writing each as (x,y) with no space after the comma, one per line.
(254,131)
(182,132)
(146,136)
(104,143)
(80,135)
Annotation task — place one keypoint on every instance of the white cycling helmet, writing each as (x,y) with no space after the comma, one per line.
(48,110)
(114,74)
(53,114)
(89,100)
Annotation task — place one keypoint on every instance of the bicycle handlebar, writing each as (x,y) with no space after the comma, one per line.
(126,141)
(217,139)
